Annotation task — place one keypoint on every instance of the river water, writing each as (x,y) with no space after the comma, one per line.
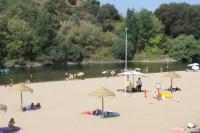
(57,72)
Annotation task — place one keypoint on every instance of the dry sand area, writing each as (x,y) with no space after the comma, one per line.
(63,101)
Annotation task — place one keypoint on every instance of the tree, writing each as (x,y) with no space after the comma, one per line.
(180,19)
(93,6)
(26,9)
(75,54)
(183,48)
(2,5)
(46,27)
(72,2)
(107,14)
(87,36)
(157,38)
(20,46)
(4,38)
(145,28)
(118,50)
(132,25)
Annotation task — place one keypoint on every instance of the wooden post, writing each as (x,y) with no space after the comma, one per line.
(21,101)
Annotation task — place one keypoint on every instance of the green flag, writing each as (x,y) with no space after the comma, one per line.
(123,34)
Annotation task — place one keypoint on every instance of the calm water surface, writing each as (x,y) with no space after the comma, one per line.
(57,72)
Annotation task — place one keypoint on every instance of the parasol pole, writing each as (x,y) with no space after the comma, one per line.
(171,84)
(102,107)
(21,100)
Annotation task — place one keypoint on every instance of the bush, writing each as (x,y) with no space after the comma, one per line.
(183,48)
(75,54)
(118,50)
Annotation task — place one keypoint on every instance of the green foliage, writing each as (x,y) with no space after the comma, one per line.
(18,27)
(108,12)
(75,54)
(180,19)
(72,2)
(2,5)
(20,46)
(103,54)
(87,36)
(157,41)
(25,9)
(132,26)
(145,31)
(4,38)
(93,6)
(118,27)
(118,50)
(184,48)
(106,15)
(58,31)
(146,28)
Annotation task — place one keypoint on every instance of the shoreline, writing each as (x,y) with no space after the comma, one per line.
(37,64)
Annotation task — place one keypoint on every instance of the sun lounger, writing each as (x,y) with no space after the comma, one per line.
(9,130)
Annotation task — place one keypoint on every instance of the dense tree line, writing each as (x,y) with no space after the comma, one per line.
(182,26)
(180,19)
(58,31)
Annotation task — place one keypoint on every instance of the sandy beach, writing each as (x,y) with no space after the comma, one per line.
(64,101)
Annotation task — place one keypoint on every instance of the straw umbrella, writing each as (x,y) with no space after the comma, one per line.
(3,107)
(172,75)
(21,88)
(101,93)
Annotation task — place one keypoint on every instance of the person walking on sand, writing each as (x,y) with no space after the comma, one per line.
(139,85)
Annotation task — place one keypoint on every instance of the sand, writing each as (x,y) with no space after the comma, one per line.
(63,101)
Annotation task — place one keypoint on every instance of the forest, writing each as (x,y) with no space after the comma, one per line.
(62,31)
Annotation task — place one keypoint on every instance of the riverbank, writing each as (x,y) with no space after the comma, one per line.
(167,60)
(63,101)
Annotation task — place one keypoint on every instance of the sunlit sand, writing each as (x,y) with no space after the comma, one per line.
(63,102)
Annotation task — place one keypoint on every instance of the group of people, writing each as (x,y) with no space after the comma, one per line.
(32,106)
(131,88)
(70,76)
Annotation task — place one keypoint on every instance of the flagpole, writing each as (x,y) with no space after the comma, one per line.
(126,52)
(126,77)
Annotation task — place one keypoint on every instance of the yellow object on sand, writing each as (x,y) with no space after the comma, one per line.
(166,94)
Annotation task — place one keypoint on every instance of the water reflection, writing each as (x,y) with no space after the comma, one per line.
(57,72)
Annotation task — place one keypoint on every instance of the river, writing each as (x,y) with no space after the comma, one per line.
(57,72)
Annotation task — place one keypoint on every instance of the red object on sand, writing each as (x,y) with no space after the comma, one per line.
(87,113)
